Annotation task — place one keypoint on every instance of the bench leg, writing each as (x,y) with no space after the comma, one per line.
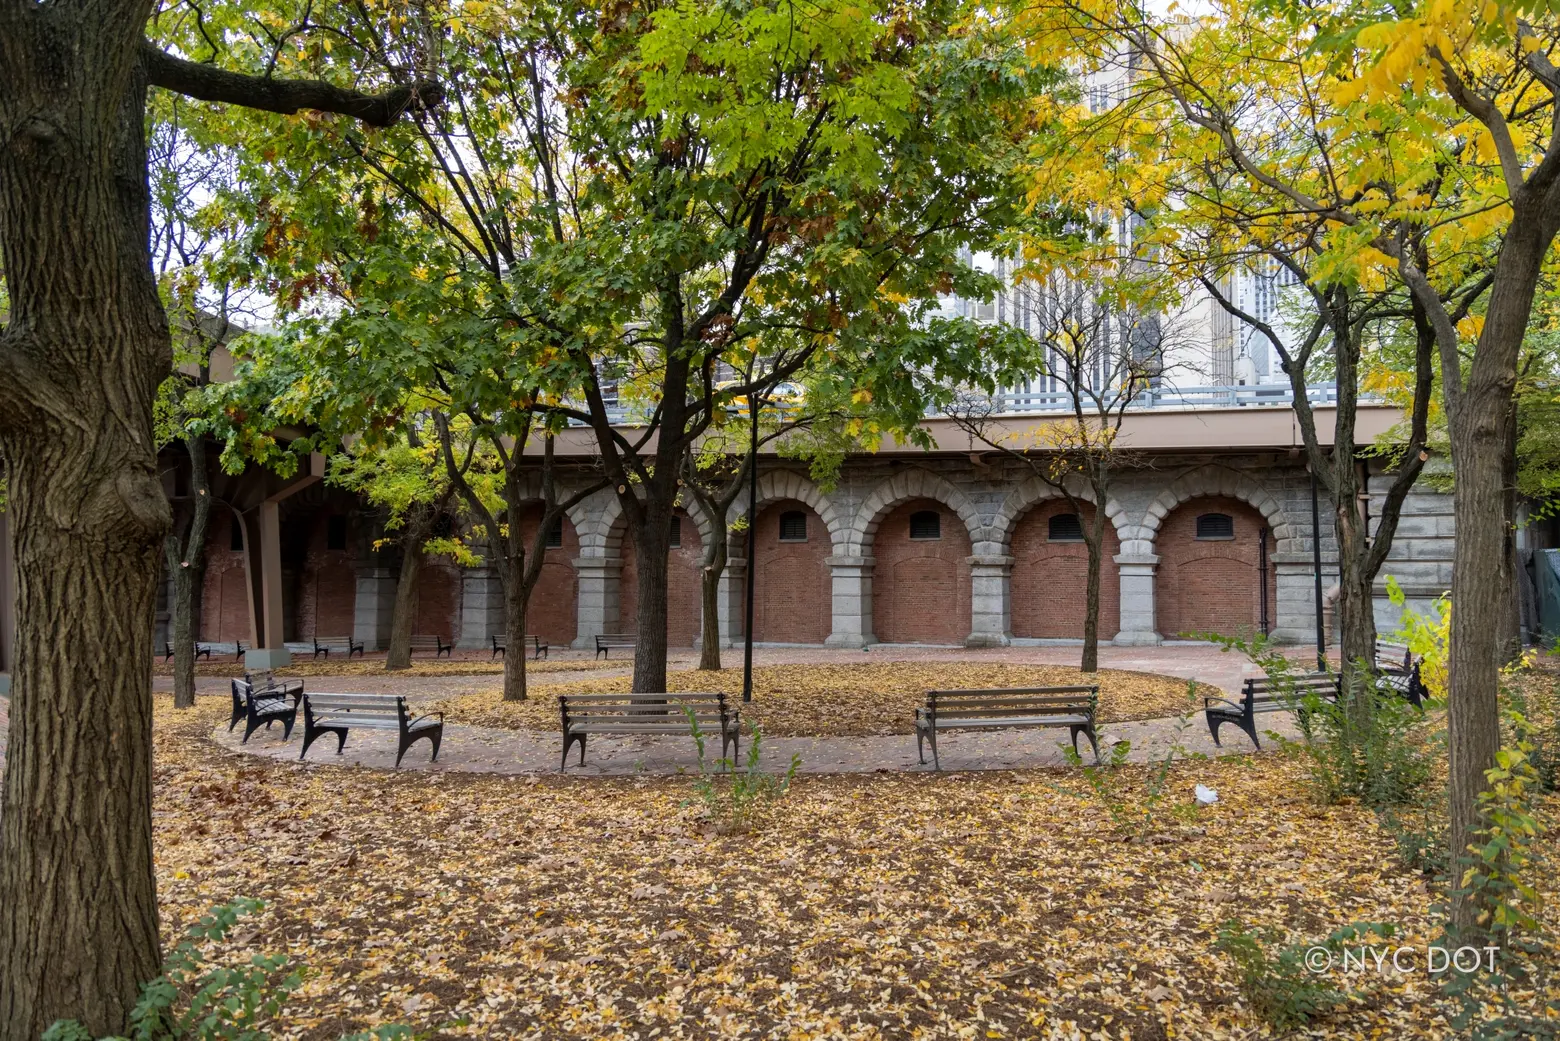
(289,721)
(496,652)
(568,740)
(311,734)
(601,652)
(1087,732)
(931,736)
(734,739)
(920,744)
(408,740)
(1249,725)
(1213,727)
(321,650)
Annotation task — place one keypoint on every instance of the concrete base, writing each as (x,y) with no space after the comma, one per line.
(5,684)
(988,640)
(850,641)
(267,659)
(1138,639)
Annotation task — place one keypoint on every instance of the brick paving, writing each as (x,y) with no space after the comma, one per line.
(501,751)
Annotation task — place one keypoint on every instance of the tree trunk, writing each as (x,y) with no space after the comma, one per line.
(709,590)
(81,356)
(651,549)
(1091,608)
(400,652)
(1480,584)
(515,597)
(1356,606)
(1511,622)
(189,576)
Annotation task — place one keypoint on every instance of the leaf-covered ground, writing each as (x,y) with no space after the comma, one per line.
(841,700)
(1007,905)
(304,666)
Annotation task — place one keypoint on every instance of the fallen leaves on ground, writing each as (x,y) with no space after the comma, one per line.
(1004,905)
(847,700)
(304,666)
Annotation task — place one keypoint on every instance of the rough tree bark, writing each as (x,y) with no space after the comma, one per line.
(82,353)
(186,552)
(400,651)
(1095,543)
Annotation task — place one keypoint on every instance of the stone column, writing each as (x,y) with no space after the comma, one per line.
(598,599)
(852,599)
(1296,621)
(1139,627)
(733,601)
(481,608)
(374,606)
(991,619)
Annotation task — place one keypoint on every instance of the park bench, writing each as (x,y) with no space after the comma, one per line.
(639,715)
(1397,666)
(338,713)
(607,641)
(1262,694)
(262,706)
(432,643)
(202,650)
(539,646)
(1004,709)
(325,644)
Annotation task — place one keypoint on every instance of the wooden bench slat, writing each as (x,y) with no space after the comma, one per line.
(338,713)
(645,714)
(993,708)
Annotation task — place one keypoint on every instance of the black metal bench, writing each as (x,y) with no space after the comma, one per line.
(270,703)
(338,713)
(325,644)
(1397,667)
(539,646)
(1261,694)
(1007,709)
(431,642)
(607,641)
(202,650)
(640,715)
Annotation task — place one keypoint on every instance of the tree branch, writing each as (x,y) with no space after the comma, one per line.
(209,83)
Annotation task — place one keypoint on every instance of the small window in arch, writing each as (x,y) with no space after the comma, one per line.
(236,535)
(1215,526)
(676,532)
(1065,527)
(336,532)
(555,535)
(926,524)
(793,526)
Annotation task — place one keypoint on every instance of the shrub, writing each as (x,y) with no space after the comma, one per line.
(1279,987)
(737,800)
(195,1001)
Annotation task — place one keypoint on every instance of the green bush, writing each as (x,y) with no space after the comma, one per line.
(737,800)
(195,1001)
(1278,986)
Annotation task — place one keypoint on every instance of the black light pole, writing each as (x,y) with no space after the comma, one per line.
(1316,571)
(752,549)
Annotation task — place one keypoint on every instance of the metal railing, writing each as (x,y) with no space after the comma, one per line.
(1259,395)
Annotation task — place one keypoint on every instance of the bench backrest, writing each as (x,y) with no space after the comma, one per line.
(334,641)
(644,708)
(428,640)
(1323,683)
(367,707)
(1014,701)
(617,638)
(1396,656)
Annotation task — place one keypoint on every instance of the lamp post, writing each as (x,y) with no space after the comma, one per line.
(752,550)
(1316,572)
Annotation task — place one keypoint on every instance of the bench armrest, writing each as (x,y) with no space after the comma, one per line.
(413,719)
(1210,700)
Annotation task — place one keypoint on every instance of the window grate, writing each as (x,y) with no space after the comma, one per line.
(555,535)
(1065,527)
(336,532)
(793,526)
(676,542)
(1215,526)
(926,524)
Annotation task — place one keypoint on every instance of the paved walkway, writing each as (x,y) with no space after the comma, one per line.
(469,749)
(478,749)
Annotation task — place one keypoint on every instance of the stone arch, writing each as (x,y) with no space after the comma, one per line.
(1030,493)
(1210,480)
(596,520)
(782,485)
(903,487)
